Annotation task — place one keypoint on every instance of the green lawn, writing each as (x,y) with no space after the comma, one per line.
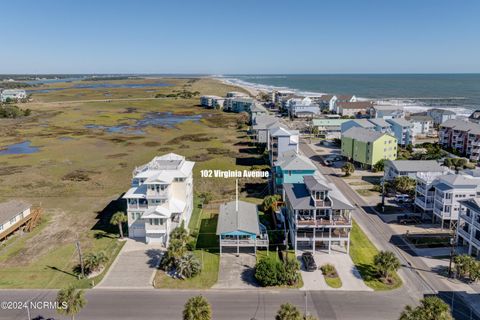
(206,279)
(362,252)
(333,282)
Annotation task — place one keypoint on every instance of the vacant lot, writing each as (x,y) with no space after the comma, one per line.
(81,171)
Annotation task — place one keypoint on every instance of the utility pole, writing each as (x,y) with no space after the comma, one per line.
(383,194)
(79,249)
(452,253)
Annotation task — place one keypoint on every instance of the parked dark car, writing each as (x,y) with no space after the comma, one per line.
(308,261)
(408,219)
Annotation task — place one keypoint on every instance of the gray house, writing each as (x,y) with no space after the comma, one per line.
(238,226)
(410,168)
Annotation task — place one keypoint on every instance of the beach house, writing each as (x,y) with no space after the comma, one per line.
(402,130)
(257,109)
(381,125)
(281,140)
(439,193)
(468,230)
(260,126)
(328,128)
(366,147)
(327,102)
(475,117)
(160,198)
(357,123)
(422,125)
(14,214)
(353,109)
(238,227)
(439,116)
(12,94)
(386,111)
(410,168)
(291,167)
(302,108)
(318,215)
(462,136)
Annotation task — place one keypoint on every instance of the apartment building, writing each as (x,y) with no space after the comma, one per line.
(462,136)
(422,125)
(367,147)
(380,125)
(386,112)
(440,193)
(468,229)
(212,102)
(256,110)
(318,215)
(402,130)
(357,123)
(160,198)
(238,104)
(329,128)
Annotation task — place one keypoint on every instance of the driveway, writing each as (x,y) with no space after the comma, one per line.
(236,272)
(348,273)
(134,266)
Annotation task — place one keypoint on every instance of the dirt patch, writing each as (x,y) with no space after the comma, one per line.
(201,157)
(5,171)
(151,143)
(116,155)
(202,137)
(78,175)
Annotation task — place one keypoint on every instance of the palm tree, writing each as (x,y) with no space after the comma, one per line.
(180,233)
(463,263)
(197,308)
(270,203)
(94,260)
(430,308)
(348,168)
(288,311)
(386,262)
(188,265)
(119,218)
(70,301)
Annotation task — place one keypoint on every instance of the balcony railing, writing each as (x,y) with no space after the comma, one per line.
(320,222)
(463,233)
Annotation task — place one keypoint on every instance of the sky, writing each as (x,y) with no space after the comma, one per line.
(240,36)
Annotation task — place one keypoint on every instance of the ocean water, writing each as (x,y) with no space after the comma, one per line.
(417,92)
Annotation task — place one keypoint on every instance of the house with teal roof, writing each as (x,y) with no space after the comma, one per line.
(291,167)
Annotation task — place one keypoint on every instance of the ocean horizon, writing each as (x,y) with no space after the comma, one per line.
(458,92)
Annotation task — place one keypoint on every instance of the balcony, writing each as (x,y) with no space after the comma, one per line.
(158,193)
(466,218)
(324,221)
(463,233)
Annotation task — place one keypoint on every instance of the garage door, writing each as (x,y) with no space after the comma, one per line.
(137,232)
(155,238)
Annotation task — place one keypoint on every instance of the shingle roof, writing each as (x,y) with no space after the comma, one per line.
(364,123)
(362,134)
(462,125)
(327,97)
(11,208)
(400,122)
(416,165)
(328,122)
(291,160)
(245,219)
(355,105)
(458,181)
(314,184)
(380,122)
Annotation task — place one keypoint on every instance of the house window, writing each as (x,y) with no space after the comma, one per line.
(133,215)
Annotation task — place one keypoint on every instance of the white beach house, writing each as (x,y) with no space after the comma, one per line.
(160,198)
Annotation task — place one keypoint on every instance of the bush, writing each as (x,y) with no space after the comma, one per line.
(188,265)
(328,270)
(271,272)
(348,168)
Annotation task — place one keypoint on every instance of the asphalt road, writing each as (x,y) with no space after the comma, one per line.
(226,304)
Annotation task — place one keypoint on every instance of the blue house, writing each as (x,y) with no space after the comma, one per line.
(238,226)
(291,167)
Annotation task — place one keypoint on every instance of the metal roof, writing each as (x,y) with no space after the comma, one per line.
(362,134)
(245,219)
(11,208)
(416,165)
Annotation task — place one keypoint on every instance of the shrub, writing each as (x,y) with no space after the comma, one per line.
(386,262)
(328,270)
(348,168)
(188,265)
(270,272)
